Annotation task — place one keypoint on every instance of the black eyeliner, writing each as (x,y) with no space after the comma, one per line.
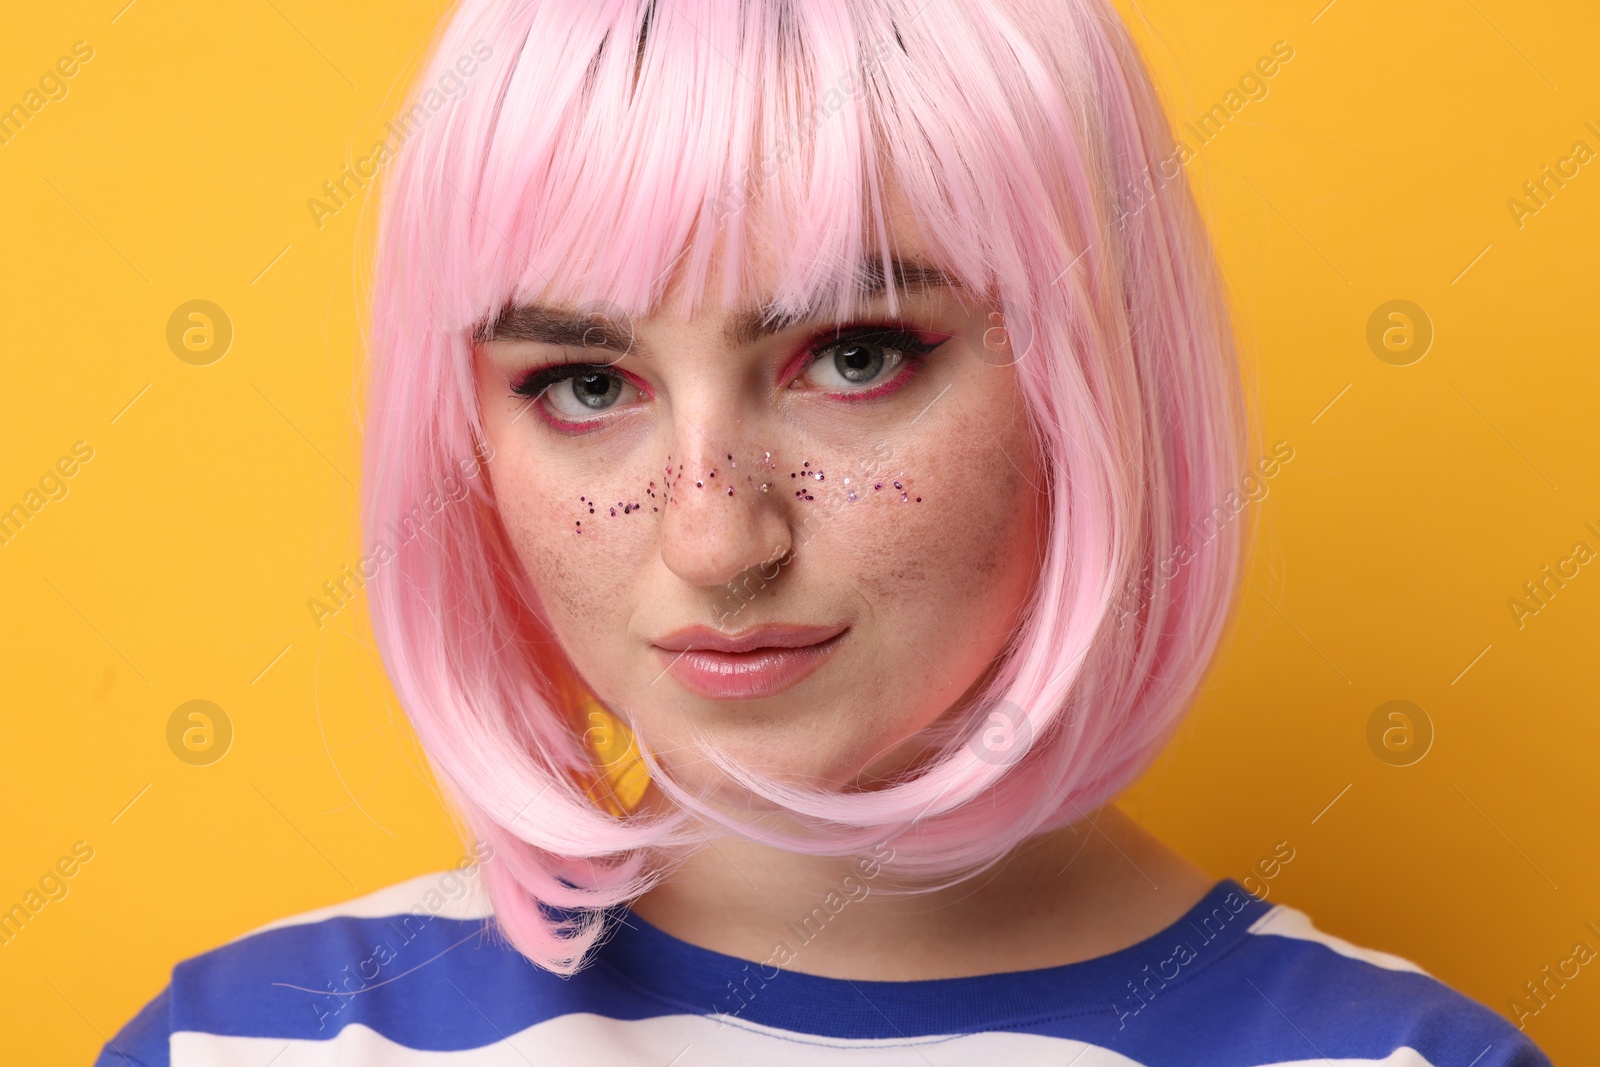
(534,383)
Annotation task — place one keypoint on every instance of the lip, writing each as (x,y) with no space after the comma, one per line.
(754,663)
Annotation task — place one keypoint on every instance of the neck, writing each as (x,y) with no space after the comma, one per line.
(1085,890)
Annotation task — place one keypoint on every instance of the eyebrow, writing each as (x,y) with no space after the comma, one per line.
(561,327)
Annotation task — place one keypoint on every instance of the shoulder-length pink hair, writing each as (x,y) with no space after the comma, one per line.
(580,150)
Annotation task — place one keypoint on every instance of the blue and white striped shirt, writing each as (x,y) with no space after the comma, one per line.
(413,976)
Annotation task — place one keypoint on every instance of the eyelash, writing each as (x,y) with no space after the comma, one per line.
(532,385)
(908,342)
(902,339)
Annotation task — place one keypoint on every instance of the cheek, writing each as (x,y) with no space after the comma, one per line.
(943,580)
(963,546)
(574,557)
(551,551)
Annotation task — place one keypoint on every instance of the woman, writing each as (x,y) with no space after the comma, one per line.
(800,453)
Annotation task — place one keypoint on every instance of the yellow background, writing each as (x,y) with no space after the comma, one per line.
(1378,167)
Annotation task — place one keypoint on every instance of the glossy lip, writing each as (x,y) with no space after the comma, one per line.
(754,663)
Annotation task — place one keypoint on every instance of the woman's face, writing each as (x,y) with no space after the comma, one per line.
(802,544)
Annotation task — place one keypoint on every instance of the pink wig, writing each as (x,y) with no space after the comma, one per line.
(580,151)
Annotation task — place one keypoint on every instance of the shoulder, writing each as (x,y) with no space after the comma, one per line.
(371,960)
(1301,993)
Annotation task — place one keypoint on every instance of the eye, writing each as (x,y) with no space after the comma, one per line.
(861,360)
(577,392)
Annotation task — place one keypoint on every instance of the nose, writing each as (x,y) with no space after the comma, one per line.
(718,522)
